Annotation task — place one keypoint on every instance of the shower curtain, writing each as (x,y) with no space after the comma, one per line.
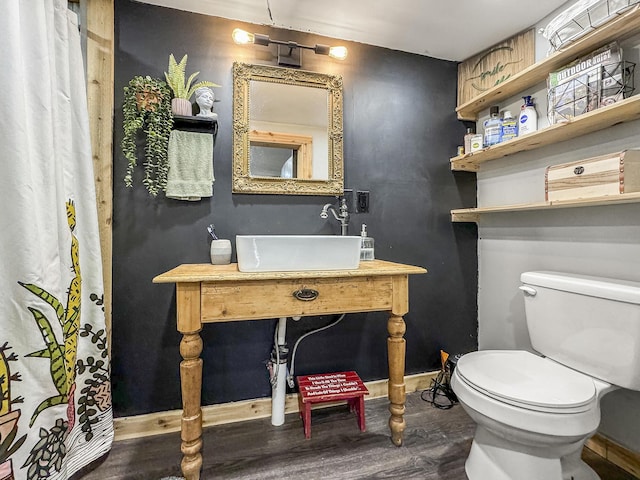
(55,400)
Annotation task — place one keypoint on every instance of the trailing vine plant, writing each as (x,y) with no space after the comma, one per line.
(147,107)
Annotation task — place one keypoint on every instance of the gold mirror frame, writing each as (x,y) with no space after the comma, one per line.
(243,182)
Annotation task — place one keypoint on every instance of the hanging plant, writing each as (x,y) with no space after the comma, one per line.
(147,107)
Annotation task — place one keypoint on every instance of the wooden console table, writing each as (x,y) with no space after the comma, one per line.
(220,293)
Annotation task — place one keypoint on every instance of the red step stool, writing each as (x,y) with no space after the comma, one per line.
(331,387)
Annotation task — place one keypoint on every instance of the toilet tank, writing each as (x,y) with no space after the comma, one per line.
(590,324)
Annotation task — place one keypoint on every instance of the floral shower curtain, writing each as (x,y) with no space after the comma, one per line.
(55,401)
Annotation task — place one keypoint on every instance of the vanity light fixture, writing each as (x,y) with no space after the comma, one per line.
(288,52)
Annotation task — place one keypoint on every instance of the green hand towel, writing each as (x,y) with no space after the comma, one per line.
(190,174)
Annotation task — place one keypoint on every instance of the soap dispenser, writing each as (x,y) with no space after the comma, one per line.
(528,121)
(366,245)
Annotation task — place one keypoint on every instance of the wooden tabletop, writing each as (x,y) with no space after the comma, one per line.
(205,272)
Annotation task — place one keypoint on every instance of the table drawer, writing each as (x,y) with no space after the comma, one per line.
(612,174)
(246,300)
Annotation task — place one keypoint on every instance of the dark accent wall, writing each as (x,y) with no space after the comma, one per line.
(400,130)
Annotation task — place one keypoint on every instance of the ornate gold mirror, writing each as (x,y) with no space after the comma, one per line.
(287,131)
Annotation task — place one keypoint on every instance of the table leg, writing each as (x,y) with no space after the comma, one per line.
(396,354)
(191,384)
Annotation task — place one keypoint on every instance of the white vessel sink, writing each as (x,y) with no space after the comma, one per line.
(282,253)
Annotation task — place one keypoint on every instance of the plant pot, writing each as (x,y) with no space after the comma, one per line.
(147,100)
(181,106)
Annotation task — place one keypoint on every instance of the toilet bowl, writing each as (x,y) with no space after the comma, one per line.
(535,411)
(531,425)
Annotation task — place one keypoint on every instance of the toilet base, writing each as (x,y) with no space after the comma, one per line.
(496,458)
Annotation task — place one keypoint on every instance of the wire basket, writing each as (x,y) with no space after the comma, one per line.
(596,87)
(581,18)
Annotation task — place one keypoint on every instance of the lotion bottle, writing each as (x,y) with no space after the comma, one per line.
(509,127)
(528,121)
(366,245)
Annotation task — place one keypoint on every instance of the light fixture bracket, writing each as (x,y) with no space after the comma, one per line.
(289,55)
(321,49)
(260,39)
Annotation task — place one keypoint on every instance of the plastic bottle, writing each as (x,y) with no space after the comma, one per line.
(509,127)
(467,140)
(366,245)
(492,127)
(476,142)
(528,121)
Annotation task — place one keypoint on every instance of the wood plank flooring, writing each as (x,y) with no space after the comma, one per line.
(436,445)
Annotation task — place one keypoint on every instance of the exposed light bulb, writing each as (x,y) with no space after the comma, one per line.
(242,37)
(339,53)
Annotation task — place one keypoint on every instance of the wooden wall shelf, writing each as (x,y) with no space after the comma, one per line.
(620,27)
(473,214)
(626,110)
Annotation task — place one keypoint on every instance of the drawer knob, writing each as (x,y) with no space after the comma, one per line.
(578,170)
(306,294)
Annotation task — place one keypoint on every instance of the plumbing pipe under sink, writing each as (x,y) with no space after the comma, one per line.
(279,374)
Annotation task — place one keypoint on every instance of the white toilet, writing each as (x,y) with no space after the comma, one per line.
(534,413)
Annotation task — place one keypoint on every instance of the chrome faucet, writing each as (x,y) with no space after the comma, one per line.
(342,217)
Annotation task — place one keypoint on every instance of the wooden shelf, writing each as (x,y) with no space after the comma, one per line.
(618,28)
(473,214)
(626,110)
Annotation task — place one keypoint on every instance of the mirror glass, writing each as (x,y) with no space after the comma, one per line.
(287,131)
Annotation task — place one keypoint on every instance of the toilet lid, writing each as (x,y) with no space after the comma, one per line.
(526,380)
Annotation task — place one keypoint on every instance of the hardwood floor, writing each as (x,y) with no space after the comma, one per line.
(436,445)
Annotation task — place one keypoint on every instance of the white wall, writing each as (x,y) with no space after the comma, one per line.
(591,240)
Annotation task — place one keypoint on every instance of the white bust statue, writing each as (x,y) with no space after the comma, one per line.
(204,99)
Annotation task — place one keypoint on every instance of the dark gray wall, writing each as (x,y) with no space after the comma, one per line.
(399,129)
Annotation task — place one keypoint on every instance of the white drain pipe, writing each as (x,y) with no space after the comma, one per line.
(279,377)
(278,371)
